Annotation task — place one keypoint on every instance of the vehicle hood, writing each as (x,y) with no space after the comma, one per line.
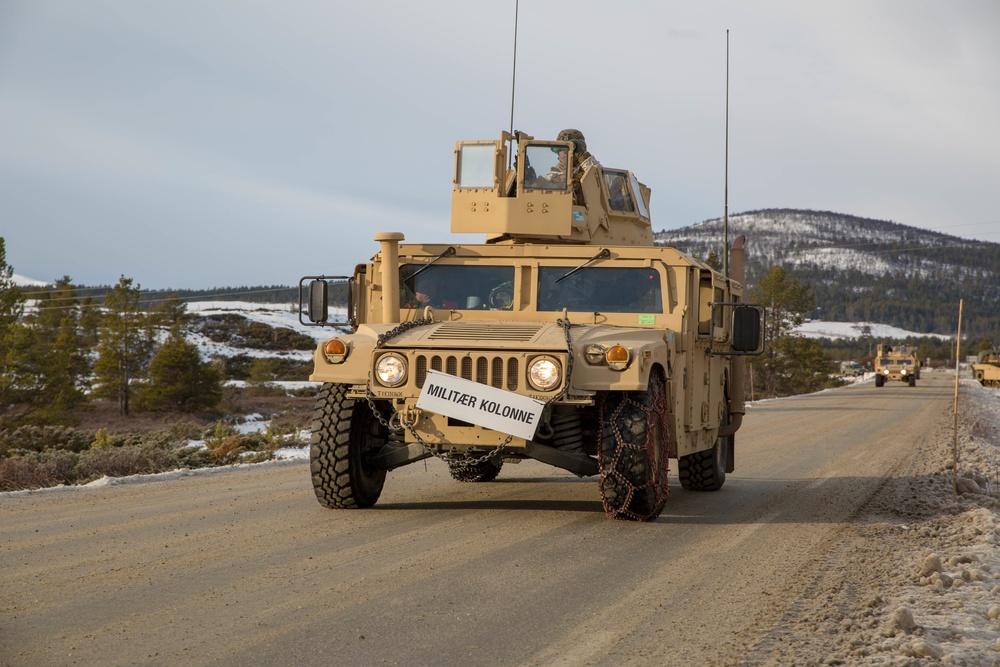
(481,335)
(516,335)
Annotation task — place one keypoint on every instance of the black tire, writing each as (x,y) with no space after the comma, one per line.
(485,471)
(633,445)
(879,380)
(705,470)
(912,381)
(344,431)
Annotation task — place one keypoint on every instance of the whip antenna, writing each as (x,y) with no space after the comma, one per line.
(513,74)
(725,205)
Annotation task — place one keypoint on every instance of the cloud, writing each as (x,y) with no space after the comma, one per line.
(237,122)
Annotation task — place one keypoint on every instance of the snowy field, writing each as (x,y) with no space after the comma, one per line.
(849,330)
(272,314)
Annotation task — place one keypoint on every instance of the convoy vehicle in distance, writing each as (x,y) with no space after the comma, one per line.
(987,368)
(897,362)
(851,369)
(566,337)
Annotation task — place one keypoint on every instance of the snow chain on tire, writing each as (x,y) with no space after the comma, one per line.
(634,452)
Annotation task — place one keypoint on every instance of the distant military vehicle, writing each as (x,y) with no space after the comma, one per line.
(897,362)
(567,337)
(851,369)
(987,368)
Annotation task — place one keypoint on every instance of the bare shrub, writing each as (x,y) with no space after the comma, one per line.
(194,457)
(228,450)
(41,438)
(258,389)
(30,470)
(144,459)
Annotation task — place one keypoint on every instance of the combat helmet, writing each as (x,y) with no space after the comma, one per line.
(576,136)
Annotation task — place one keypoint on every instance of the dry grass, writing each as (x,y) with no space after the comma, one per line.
(103,443)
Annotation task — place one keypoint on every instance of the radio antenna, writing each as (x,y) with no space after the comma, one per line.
(513,75)
(725,214)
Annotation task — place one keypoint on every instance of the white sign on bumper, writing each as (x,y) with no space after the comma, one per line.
(480,404)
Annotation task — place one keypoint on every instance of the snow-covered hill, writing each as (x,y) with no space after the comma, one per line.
(832,241)
(853,330)
(22,281)
(863,269)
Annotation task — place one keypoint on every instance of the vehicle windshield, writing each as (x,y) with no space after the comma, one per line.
(475,166)
(600,289)
(906,362)
(472,287)
(619,196)
(638,193)
(545,167)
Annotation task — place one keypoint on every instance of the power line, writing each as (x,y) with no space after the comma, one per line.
(44,303)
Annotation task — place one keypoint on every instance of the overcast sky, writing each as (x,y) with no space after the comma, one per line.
(201,143)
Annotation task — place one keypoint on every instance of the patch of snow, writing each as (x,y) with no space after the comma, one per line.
(273,314)
(22,281)
(854,330)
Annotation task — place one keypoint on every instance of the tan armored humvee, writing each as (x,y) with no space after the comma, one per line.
(897,362)
(567,337)
(987,368)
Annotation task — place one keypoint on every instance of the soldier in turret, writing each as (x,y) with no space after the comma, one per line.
(582,159)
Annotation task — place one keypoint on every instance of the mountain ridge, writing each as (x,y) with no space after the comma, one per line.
(863,269)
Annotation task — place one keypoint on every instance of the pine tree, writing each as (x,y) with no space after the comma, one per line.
(12,337)
(11,297)
(179,379)
(57,351)
(714,261)
(171,311)
(787,301)
(124,346)
(90,322)
(790,364)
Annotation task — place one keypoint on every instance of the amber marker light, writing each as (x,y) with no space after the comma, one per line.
(335,350)
(618,357)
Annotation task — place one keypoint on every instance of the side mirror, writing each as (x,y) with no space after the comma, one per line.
(746,329)
(318,304)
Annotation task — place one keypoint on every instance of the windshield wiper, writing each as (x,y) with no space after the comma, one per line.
(449,251)
(604,254)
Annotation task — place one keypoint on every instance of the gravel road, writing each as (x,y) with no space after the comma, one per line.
(245,568)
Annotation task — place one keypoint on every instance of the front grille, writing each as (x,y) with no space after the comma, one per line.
(502,372)
(512,332)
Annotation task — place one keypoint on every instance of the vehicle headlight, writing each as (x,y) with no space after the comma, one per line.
(618,357)
(335,351)
(903,372)
(544,373)
(391,369)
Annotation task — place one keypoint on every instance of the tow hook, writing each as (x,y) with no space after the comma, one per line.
(409,416)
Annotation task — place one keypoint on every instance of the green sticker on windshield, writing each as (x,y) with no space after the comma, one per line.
(647,319)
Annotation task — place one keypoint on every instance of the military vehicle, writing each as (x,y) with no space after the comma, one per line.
(987,368)
(851,369)
(897,362)
(566,337)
